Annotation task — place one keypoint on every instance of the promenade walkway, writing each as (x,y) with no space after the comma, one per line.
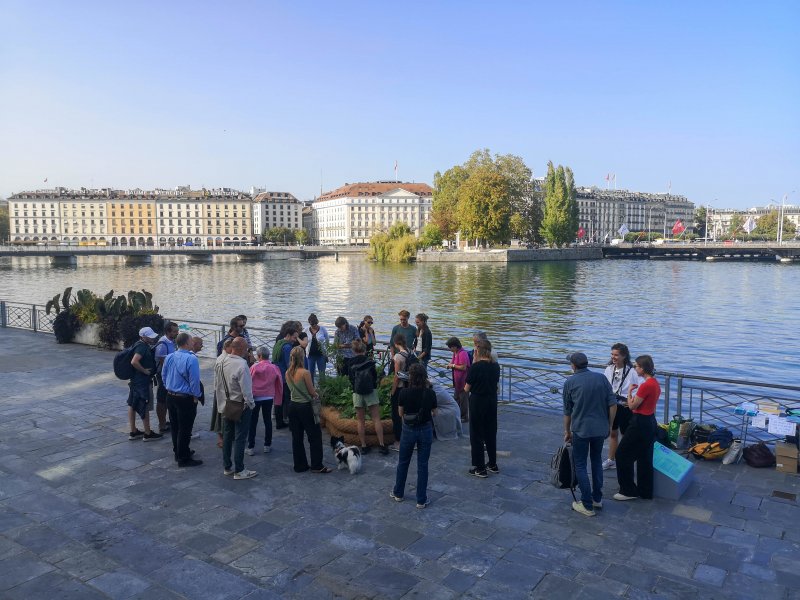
(85,513)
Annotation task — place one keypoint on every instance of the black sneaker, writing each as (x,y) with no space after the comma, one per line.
(164,429)
(149,437)
(383,450)
(493,469)
(135,435)
(192,462)
(476,472)
(191,453)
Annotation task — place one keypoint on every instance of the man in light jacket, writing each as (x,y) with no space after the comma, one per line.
(232,383)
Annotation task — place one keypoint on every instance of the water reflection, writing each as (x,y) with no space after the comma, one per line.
(736,319)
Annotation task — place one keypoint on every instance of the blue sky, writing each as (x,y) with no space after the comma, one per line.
(296,95)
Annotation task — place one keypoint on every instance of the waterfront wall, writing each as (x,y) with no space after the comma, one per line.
(511,255)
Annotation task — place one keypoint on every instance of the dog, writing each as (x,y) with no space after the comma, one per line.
(348,457)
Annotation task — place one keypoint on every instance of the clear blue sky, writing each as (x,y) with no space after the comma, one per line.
(123,94)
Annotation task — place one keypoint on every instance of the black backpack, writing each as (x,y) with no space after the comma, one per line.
(364,377)
(562,470)
(123,368)
(411,359)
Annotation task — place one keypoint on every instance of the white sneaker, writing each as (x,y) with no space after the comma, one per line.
(267,449)
(623,497)
(734,453)
(245,474)
(580,508)
(609,464)
(250,452)
(597,505)
(228,472)
(195,435)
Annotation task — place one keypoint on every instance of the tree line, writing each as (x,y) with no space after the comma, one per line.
(491,199)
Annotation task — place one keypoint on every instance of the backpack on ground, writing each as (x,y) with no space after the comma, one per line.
(562,469)
(721,436)
(123,368)
(700,433)
(708,451)
(759,456)
(364,377)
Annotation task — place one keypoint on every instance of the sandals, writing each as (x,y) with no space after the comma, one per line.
(322,470)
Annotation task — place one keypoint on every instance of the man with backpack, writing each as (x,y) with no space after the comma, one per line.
(140,395)
(364,379)
(589,410)
(164,347)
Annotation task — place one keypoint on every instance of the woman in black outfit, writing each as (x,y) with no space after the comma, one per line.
(423,342)
(482,380)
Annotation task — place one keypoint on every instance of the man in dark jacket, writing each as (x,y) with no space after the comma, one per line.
(589,409)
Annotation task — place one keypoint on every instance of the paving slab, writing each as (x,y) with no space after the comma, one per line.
(85,513)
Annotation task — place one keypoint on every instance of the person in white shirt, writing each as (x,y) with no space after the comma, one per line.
(233,383)
(621,375)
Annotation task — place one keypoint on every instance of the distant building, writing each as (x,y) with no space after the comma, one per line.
(308,222)
(132,217)
(603,212)
(276,209)
(719,219)
(354,212)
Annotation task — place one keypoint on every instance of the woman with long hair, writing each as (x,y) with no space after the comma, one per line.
(621,375)
(417,405)
(482,380)
(400,354)
(636,446)
(423,342)
(303,418)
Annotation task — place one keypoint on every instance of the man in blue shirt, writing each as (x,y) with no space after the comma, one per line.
(164,347)
(181,375)
(589,409)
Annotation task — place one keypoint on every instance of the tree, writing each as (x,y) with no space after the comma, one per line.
(483,205)
(560,221)
(301,235)
(279,235)
(768,226)
(445,199)
(5,228)
(399,230)
(735,227)
(431,236)
(700,215)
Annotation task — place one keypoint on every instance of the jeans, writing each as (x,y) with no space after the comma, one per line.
(593,448)
(422,437)
(301,421)
(234,436)
(636,447)
(483,429)
(182,411)
(266,414)
(317,362)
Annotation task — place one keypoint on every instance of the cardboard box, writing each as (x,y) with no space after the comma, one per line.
(672,473)
(787,450)
(786,465)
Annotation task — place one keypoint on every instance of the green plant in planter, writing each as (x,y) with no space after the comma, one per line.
(337,393)
(65,326)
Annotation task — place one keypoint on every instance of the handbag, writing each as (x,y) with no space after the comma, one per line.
(412,419)
(233,410)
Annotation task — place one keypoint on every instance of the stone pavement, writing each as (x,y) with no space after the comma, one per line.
(85,513)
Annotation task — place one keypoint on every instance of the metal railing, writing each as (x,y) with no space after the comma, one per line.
(524,381)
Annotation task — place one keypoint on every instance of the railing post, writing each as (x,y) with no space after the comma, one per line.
(509,384)
(3,317)
(679,400)
(34,324)
(666,399)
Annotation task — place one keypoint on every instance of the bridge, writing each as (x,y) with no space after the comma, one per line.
(716,251)
(68,255)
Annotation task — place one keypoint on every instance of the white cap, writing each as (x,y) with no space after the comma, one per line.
(148,333)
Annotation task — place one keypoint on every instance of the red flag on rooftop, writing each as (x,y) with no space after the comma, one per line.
(678,228)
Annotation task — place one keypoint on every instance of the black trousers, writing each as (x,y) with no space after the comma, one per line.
(636,448)
(266,415)
(483,429)
(301,421)
(282,411)
(182,411)
(397,421)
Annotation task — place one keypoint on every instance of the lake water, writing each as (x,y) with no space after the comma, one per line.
(724,319)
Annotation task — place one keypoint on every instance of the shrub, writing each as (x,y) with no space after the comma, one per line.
(337,393)
(109,332)
(65,326)
(129,327)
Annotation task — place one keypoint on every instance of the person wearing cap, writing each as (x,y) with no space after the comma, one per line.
(589,410)
(140,394)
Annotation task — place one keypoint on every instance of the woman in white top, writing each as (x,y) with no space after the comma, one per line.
(316,350)
(621,374)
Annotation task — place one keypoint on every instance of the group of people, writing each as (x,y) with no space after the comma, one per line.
(620,402)
(280,382)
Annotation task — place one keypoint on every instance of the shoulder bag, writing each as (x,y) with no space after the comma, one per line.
(233,410)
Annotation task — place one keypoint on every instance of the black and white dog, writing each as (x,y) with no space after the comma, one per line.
(348,457)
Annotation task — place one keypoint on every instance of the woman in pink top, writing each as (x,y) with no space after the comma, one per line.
(460,366)
(267,388)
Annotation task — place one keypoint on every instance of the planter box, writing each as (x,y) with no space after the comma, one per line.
(88,335)
(348,428)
